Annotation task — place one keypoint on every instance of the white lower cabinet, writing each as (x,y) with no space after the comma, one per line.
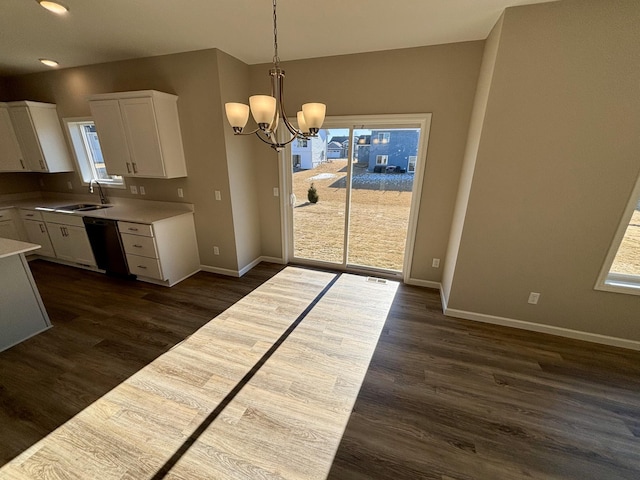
(8,227)
(37,232)
(69,238)
(164,252)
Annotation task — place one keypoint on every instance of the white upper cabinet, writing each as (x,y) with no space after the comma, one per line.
(139,133)
(10,154)
(37,128)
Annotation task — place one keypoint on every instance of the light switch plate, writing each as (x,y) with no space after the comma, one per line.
(142,192)
(134,189)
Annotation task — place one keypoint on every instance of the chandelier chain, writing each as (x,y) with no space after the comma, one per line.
(276,58)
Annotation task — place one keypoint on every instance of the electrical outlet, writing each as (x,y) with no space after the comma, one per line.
(180,193)
(533,298)
(218,196)
(276,192)
(134,189)
(435,263)
(216,251)
(142,192)
(69,186)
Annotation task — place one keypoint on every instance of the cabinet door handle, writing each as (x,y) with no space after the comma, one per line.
(135,169)
(142,266)
(138,246)
(22,164)
(28,214)
(42,164)
(41,227)
(128,168)
(133,229)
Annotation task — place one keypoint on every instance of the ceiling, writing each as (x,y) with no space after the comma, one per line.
(97,31)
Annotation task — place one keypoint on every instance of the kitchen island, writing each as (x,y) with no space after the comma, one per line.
(22,313)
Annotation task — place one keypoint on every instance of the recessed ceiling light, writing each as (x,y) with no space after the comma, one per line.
(49,63)
(53,7)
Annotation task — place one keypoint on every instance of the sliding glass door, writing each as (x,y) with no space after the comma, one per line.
(354,193)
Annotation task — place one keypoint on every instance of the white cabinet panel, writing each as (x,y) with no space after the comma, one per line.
(10,153)
(8,230)
(113,142)
(37,128)
(23,313)
(37,233)
(141,132)
(71,243)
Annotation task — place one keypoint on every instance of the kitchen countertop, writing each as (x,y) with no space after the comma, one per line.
(137,211)
(10,247)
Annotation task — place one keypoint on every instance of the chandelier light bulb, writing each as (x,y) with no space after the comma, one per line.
(237,114)
(263,109)
(302,124)
(314,115)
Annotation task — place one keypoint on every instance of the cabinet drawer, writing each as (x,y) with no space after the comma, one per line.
(135,228)
(139,245)
(144,266)
(30,214)
(63,219)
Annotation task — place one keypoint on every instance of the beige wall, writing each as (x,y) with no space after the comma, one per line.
(18,183)
(557,160)
(193,76)
(470,155)
(440,80)
(234,87)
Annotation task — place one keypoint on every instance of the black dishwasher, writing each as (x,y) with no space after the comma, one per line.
(107,246)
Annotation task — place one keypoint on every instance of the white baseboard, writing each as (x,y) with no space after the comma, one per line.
(423,283)
(537,327)
(220,271)
(238,273)
(277,260)
(249,266)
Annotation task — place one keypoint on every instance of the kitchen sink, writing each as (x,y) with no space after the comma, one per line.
(82,207)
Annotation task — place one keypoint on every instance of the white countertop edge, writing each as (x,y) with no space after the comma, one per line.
(10,247)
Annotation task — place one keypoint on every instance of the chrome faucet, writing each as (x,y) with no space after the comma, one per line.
(103,199)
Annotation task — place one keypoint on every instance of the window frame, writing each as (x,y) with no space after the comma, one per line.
(384,137)
(412,163)
(384,157)
(617,282)
(79,149)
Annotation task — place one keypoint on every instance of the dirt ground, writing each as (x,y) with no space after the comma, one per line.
(628,258)
(379,219)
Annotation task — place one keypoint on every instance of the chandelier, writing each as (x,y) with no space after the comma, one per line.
(268,110)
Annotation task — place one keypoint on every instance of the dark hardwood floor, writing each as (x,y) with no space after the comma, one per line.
(443,398)
(105,330)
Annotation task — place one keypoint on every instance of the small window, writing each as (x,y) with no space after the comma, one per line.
(621,271)
(302,142)
(382,137)
(412,164)
(382,159)
(86,150)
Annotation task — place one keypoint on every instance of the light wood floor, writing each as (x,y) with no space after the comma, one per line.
(442,398)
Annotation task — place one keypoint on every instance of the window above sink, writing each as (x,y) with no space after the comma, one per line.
(87,153)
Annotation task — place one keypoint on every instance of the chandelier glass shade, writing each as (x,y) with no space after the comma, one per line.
(268,110)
